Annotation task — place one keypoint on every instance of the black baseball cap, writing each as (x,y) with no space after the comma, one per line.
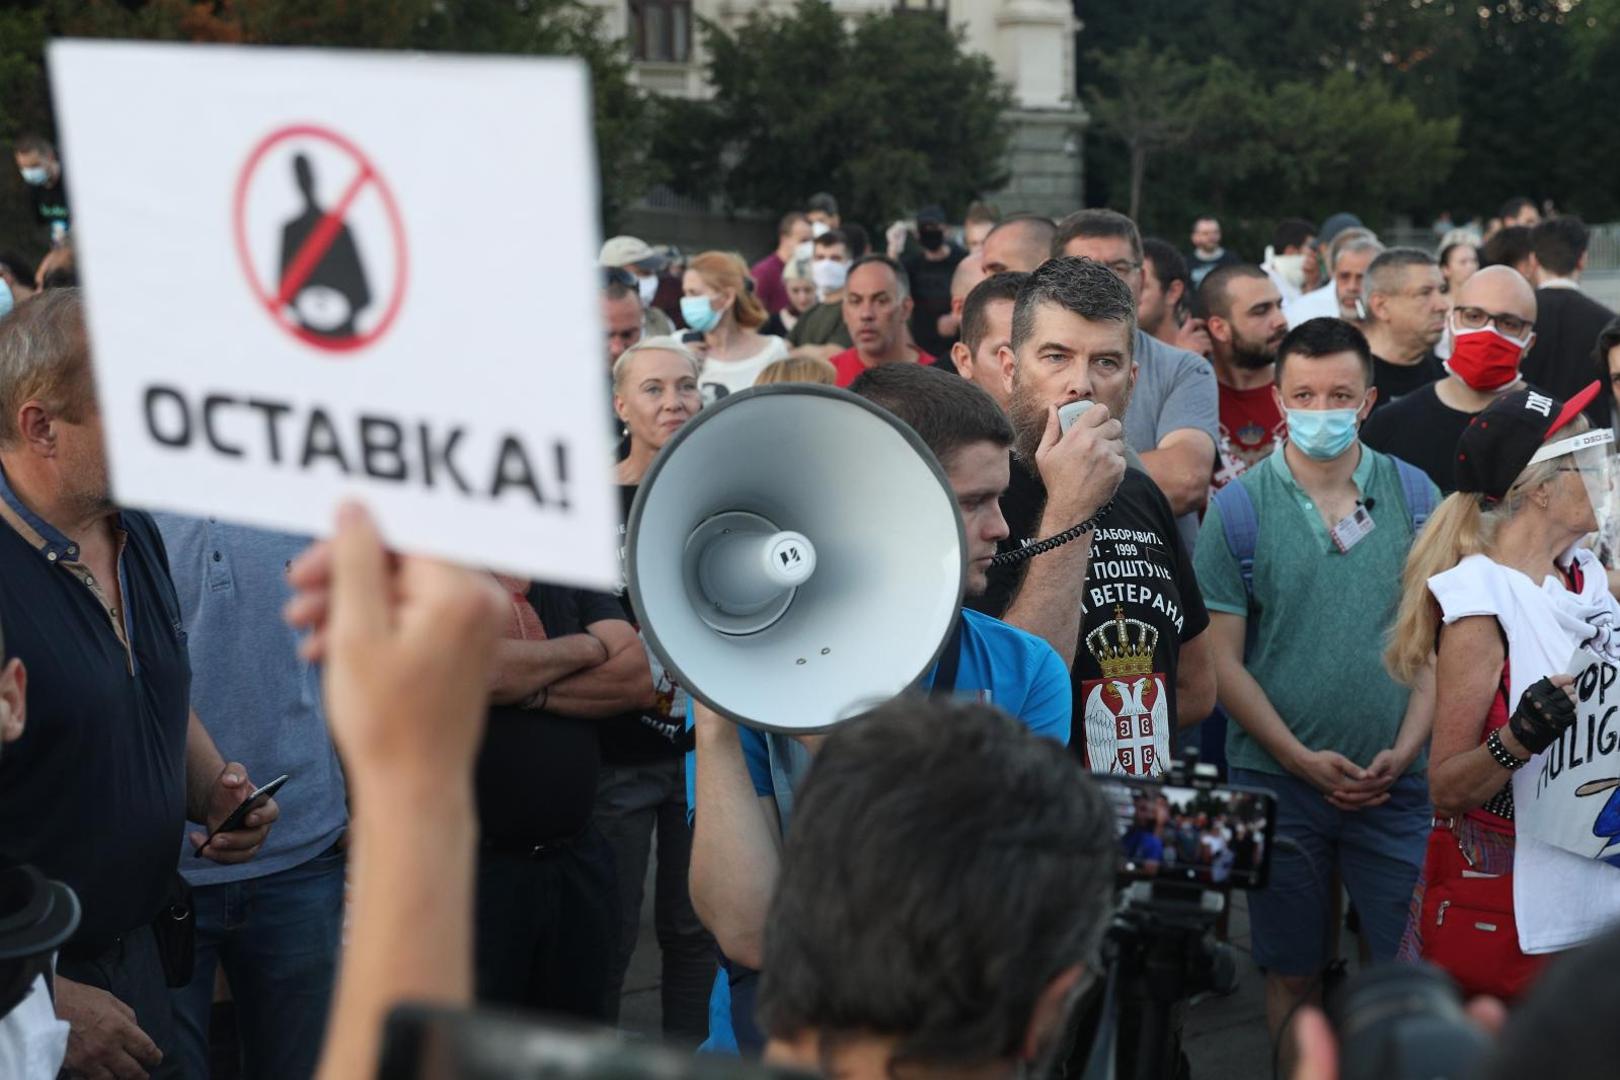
(1500,441)
(931,215)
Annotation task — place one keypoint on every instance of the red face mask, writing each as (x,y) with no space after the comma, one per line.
(1486,359)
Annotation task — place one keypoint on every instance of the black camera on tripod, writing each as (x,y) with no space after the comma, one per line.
(1185,841)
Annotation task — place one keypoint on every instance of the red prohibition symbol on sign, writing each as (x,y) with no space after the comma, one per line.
(319,284)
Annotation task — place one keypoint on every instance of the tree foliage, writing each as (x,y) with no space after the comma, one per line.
(516,27)
(1383,107)
(888,110)
(1251,109)
(1144,106)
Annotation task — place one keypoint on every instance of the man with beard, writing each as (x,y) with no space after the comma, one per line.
(1120,602)
(1246,324)
(1406,314)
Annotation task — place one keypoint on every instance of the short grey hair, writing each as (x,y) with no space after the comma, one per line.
(1352,240)
(1079,286)
(1387,273)
(667,343)
(45,357)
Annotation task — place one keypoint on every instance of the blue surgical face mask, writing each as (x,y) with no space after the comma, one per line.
(7,301)
(1322,434)
(698,313)
(35,175)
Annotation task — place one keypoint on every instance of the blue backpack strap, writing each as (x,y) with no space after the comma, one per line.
(1241,525)
(1417,491)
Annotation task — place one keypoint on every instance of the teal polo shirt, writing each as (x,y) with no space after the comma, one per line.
(1320,614)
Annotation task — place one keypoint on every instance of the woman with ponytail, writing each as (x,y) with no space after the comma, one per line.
(1499,595)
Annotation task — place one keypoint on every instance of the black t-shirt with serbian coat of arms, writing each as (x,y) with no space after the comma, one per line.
(1141,602)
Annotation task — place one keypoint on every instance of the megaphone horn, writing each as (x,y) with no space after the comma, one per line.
(795,556)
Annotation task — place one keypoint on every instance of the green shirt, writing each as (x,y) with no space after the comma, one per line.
(822,325)
(1320,614)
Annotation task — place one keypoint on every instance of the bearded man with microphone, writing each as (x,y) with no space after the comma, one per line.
(1121,604)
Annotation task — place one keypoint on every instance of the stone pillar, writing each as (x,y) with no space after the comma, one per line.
(1033,49)
(1044,161)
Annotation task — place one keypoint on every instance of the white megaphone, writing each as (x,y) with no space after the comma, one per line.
(795,556)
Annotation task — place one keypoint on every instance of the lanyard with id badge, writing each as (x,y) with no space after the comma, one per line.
(1352,530)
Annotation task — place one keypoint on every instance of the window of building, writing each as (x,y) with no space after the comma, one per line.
(922,7)
(661,30)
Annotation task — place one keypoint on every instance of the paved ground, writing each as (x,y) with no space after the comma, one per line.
(1225,1037)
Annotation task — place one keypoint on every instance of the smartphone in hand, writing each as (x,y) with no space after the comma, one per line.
(259,797)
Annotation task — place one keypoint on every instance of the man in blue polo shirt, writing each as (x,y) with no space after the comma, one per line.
(113,759)
(744,779)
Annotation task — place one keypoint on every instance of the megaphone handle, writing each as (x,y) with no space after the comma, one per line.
(1041,547)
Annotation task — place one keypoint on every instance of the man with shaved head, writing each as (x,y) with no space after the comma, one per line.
(1020,243)
(1492,328)
(968,273)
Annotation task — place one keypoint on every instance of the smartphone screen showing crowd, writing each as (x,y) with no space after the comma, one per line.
(1208,836)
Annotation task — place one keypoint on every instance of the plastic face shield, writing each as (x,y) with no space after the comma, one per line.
(1590,453)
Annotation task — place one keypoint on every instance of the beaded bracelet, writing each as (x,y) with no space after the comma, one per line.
(1503,756)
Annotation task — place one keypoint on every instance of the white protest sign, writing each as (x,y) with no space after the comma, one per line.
(318,274)
(1569,794)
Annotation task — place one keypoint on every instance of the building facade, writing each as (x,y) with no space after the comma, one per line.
(1030,42)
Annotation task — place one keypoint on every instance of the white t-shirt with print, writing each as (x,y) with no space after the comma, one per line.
(1559,899)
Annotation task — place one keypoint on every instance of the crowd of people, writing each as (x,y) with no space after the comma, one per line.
(1204,844)
(1327,521)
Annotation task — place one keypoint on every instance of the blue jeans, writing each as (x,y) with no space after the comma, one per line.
(277,937)
(1378,852)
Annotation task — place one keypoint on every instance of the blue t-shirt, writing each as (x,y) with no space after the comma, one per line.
(999,665)
(258,700)
(1140,845)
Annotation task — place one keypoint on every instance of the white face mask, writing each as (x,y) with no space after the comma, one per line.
(804,251)
(829,276)
(817,228)
(1291,268)
(648,288)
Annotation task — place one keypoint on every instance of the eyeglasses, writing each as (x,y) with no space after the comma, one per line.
(1473,318)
